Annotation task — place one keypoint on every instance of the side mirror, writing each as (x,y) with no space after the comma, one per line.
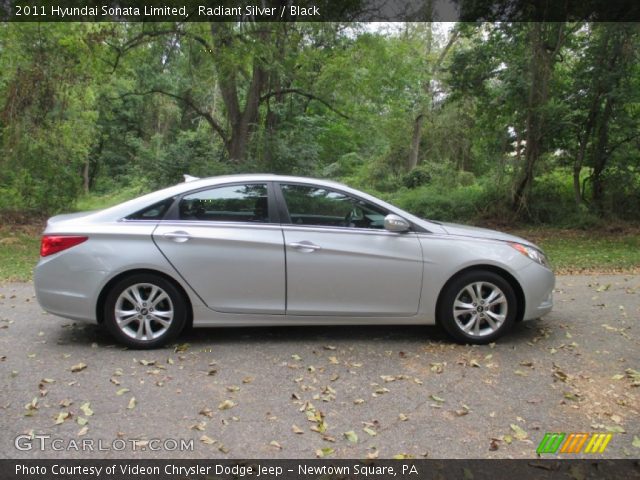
(394,223)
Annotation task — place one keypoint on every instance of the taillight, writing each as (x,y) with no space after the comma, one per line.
(51,244)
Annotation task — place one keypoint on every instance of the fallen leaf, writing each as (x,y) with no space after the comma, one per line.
(333,360)
(519,433)
(207,440)
(296,429)
(32,405)
(61,417)
(403,417)
(358,401)
(82,421)
(370,431)
(615,429)
(493,445)
(207,412)
(122,391)
(329,347)
(436,398)
(273,443)
(437,367)
(78,367)
(402,456)
(226,405)
(247,379)
(183,347)
(462,411)
(636,441)
(65,402)
(296,357)
(373,455)
(323,452)
(132,403)
(351,436)
(86,409)
(223,449)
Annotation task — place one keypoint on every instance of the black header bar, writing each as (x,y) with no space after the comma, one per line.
(319,10)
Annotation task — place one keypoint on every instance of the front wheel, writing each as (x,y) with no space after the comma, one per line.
(144,311)
(478,307)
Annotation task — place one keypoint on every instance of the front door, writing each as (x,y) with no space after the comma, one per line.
(342,262)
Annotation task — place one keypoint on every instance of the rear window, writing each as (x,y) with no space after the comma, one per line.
(156,211)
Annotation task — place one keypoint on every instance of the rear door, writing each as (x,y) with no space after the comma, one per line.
(227,245)
(340,259)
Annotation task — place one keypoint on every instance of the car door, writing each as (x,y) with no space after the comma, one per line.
(340,259)
(226,244)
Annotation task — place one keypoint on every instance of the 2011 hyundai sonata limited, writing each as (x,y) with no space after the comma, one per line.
(278,250)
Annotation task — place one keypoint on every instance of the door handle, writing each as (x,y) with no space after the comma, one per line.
(305,245)
(178,237)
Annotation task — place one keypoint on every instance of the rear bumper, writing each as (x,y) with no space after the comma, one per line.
(69,295)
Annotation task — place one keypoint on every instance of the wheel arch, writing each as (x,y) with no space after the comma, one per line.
(109,285)
(517,288)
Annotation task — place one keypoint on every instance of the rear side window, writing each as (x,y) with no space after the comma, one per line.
(232,203)
(154,212)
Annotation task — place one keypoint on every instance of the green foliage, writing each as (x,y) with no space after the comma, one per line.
(85,120)
(458,204)
(416,177)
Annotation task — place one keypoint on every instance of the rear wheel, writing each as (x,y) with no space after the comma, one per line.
(478,307)
(145,311)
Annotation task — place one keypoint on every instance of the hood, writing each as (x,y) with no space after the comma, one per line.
(476,232)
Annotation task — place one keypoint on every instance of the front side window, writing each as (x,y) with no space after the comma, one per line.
(232,203)
(309,205)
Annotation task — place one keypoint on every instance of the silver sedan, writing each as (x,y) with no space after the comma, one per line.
(278,250)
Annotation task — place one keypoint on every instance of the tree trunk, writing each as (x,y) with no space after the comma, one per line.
(600,156)
(85,177)
(541,67)
(242,120)
(414,152)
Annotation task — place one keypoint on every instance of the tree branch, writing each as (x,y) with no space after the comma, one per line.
(302,93)
(190,103)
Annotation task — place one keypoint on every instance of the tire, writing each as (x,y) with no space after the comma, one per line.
(466,315)
(139,323)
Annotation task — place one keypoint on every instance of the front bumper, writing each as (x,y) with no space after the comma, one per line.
(537,284)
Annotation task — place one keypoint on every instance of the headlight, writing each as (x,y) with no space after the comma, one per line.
(533,253)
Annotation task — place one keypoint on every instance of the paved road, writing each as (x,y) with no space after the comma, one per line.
(415,392)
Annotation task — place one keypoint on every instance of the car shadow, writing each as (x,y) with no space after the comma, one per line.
(406,335)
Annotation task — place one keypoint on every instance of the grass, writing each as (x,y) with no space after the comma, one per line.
(19,252)
(577,251)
